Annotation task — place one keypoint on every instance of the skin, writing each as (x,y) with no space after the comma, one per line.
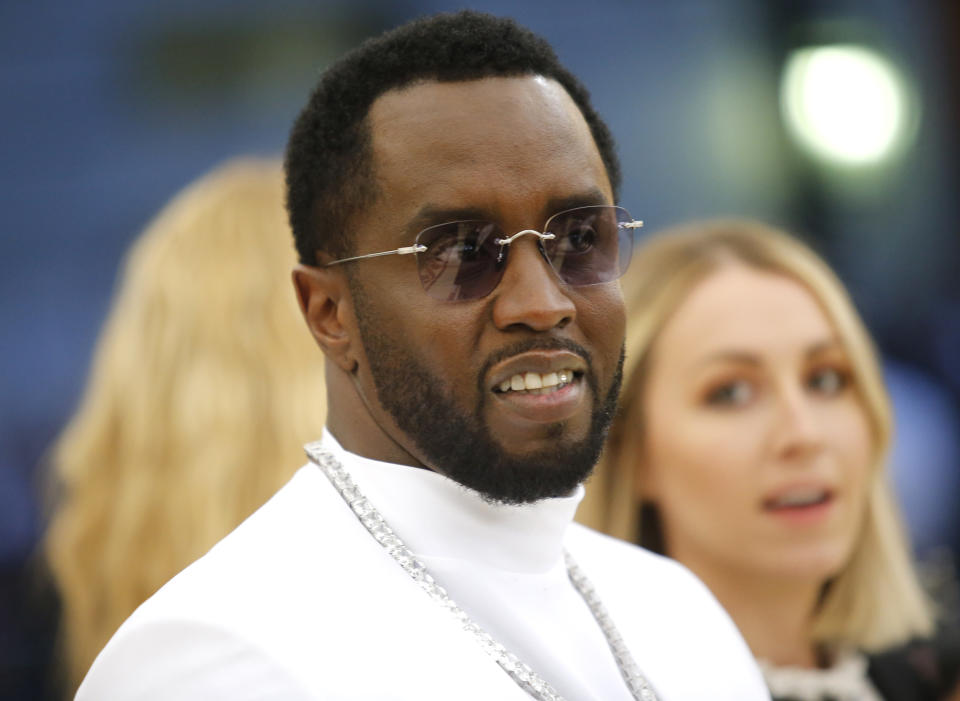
(512,150)
(749,395)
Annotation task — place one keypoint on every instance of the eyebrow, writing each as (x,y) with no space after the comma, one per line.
(738,357)
(746,358)
(431,215)
(828,344)
(581,199)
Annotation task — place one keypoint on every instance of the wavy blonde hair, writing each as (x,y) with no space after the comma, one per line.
(876,600)
(204,386)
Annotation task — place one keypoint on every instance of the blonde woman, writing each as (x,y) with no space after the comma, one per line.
(203,386)
(750,445)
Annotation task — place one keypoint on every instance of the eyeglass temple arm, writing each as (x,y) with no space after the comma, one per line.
(635,224)
(402,251)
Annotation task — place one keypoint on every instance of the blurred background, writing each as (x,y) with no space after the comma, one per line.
(836,119)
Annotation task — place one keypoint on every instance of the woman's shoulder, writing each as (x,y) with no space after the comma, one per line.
(844,680)
(924,668)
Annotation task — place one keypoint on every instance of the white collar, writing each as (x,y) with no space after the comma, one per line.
(846,680)
(438,517)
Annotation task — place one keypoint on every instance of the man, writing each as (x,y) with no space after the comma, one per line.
(451,192)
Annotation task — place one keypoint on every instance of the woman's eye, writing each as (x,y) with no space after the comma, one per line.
(827,381)
(731,394)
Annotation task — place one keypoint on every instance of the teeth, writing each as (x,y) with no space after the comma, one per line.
(800,497)
(536,383)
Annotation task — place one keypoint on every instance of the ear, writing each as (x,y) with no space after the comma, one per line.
(325,303)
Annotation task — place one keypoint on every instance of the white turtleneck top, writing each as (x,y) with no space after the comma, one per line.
(300,602)
(503,565)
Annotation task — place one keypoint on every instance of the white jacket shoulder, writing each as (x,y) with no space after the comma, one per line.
(672,624)
(187,661)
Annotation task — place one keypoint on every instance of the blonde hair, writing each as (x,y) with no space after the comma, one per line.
(875,601)
(204,386)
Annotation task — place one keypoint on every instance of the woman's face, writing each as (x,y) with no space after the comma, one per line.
(757,448)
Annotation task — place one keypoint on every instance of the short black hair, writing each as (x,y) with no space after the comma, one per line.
(329,160)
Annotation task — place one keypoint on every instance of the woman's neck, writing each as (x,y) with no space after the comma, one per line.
(774,615)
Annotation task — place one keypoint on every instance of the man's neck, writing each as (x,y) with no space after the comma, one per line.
(351,421)
(369,441)
(440,518)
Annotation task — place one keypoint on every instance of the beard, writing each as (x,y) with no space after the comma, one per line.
(459,445)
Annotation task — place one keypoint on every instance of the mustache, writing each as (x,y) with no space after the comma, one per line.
(536,344)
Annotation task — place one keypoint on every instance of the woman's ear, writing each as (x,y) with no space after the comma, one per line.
(324,299)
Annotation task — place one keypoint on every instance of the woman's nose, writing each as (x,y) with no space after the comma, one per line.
(798,428)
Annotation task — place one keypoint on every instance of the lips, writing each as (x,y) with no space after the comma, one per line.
(798,497)
(540,386)
(537,383)
(801,504)
(542,363)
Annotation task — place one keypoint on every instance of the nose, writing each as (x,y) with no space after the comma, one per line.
(530,295)
(798,433)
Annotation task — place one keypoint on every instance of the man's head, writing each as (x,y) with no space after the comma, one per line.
(487,133)
(329,164)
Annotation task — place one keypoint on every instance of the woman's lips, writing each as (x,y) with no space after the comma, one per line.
(801,505)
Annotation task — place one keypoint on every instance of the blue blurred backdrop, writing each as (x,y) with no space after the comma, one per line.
(112,106)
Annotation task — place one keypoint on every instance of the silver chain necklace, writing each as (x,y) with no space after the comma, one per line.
(519,671)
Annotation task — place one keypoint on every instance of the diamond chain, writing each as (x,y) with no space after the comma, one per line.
(518,670)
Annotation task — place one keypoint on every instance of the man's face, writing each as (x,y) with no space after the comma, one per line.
(432,374)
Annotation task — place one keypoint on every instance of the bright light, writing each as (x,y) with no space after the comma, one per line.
(845,103)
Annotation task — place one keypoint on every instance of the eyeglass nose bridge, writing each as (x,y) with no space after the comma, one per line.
(503,243)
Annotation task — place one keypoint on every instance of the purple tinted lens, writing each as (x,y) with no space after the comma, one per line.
(590,245)
(460,261)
